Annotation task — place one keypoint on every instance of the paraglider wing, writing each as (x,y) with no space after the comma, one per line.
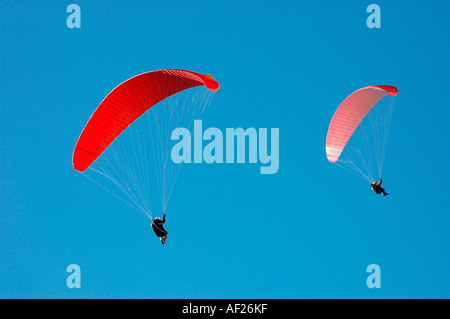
(350,114)
(127,102)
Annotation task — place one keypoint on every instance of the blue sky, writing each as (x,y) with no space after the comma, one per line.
(308,231)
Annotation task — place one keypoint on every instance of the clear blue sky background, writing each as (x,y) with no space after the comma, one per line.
(308,231)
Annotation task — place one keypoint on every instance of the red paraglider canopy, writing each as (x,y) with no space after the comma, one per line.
(127,102)
(350,114)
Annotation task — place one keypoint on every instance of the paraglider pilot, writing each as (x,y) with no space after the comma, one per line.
(376,187)
(158,228)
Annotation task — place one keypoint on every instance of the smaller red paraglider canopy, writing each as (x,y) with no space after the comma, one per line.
(350,114)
